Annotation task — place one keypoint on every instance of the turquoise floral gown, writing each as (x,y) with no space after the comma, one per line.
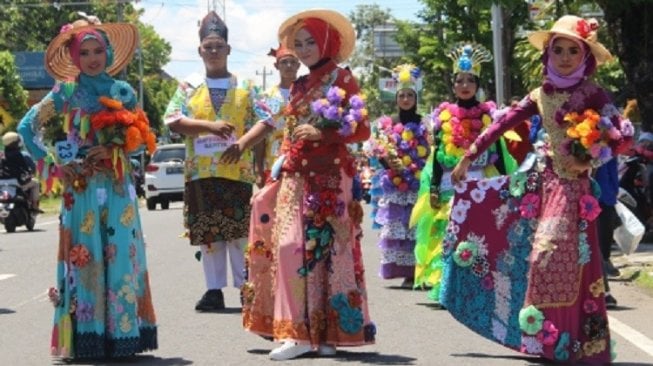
(102,298)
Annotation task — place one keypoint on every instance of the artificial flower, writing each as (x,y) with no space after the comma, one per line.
(530,320)
(589,207)
(466,253)
(549,333)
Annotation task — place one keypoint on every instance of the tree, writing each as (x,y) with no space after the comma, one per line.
(365,18)
(446,22)
(11,90)
(630,23)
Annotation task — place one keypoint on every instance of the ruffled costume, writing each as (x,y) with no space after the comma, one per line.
(523,266)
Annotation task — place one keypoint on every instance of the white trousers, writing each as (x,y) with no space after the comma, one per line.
(214,261)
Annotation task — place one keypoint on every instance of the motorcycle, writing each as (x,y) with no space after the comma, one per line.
(15,209)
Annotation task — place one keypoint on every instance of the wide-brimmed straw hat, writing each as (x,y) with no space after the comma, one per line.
(123,39)
(576,28)
(336,20)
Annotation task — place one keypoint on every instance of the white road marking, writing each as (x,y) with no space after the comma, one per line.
(631,335)
(4,276)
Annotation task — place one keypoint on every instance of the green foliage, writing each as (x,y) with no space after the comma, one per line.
(11,89)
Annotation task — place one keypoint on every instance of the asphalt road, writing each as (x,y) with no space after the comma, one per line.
(410,330)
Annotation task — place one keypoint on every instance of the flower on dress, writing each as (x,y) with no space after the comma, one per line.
(531,345)
(589,207)
(595,327)
(549,333)
(530,206)
(590,306)
(84,311)
(593,347)
(478,195)
(561,353)
(597,287)
(466,253)
(53,295)
(79,255)
(459,211)
(530,320)
(487,282)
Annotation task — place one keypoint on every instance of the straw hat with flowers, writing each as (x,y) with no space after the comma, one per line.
(577,28)
(122,38)
(336,21)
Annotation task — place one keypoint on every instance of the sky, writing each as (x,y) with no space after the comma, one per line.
(252,24)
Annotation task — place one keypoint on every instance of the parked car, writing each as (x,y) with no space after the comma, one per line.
(164,176)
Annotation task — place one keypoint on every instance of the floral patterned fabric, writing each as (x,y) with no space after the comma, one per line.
(305,271)
(102,298)
(531,277)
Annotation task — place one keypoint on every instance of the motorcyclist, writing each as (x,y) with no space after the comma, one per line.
(15,164)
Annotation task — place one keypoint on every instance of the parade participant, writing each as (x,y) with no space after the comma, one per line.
(607,177)
(306,285)
(455,127)
(212,111)
(402,148)
(530,275)
(287,64)
(102,298)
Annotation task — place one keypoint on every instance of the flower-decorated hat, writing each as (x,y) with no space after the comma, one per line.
(122,39)
(336,22)
(468,57)
(407,76)
(576,28)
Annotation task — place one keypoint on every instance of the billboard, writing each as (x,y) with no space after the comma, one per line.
(31,69)
(388,88)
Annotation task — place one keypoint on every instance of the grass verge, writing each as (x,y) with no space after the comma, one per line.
(642,277)
(50,205)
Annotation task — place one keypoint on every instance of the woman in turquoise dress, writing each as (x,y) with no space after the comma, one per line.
(102,298)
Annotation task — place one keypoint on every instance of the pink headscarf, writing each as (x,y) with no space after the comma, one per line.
(77,40)
(562,81)
(327,38)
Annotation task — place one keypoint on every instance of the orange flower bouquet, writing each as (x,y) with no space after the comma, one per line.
(119,126)
(588,136)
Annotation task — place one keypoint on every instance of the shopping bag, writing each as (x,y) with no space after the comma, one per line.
(630,232)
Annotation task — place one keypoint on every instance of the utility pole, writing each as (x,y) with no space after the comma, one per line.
(213,5)
(265,75)
(497,46)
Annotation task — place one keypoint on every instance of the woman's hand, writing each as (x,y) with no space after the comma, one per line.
(459,173)
(221,129)
(307,132)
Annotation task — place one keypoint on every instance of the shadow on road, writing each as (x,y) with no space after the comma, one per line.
(140,360)
(530,361)
(372,358)
(6,311)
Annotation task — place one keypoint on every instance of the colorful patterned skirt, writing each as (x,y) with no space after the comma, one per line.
(217,209)
(305,284)
(523,266)
(103,304)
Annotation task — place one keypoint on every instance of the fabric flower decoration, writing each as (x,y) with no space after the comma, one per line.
(530,320)
(561,352)
(549,333)
(589,207)
(530,206)
(465,254)
(590,306)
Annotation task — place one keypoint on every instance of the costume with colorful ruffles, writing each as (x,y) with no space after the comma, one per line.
(305,270)
(523,266)
(455,129)
(103,306)
(394,201)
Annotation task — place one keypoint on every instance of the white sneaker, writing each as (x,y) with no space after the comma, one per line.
(289,350)
(326,350)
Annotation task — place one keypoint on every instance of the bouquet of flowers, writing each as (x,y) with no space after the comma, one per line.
(588,135)
(332,113)
(122,127)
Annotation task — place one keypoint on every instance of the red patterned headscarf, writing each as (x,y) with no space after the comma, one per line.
(327,38)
